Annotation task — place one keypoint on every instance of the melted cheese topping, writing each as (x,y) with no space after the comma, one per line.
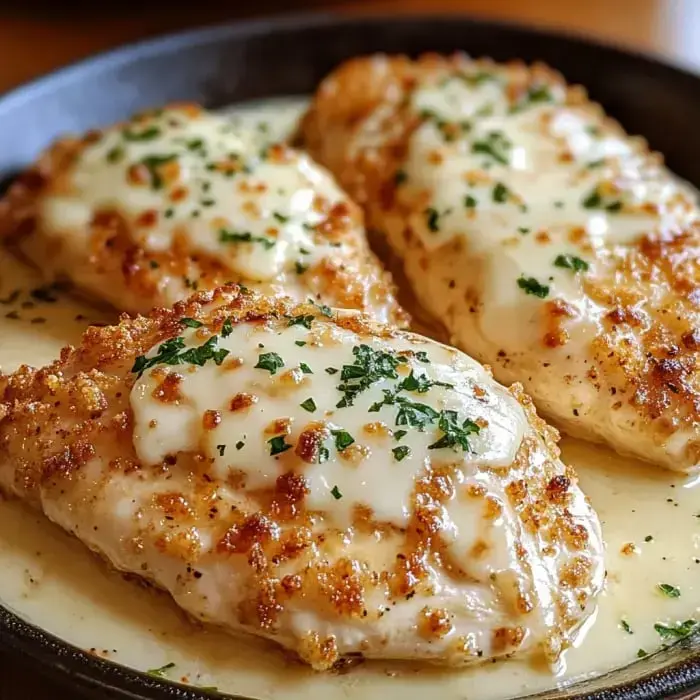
(230,193)
(271,389)
(536,188)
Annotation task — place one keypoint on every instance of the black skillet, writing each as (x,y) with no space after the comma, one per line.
(289,55)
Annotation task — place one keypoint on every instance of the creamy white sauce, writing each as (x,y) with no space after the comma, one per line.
(95,609)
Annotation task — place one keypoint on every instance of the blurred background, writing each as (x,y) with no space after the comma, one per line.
(38,36)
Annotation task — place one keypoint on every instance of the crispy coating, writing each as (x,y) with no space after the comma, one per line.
(259,559)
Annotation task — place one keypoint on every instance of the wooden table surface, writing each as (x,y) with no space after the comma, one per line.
(37,39)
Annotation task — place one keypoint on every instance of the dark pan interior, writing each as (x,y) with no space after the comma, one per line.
(284,56)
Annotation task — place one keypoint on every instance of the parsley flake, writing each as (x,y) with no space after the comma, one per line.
(398,434)
(401,452)
(531,286)
(278,445)
(343,439)
(309,405)
(500,193)
(302,320)
(153,165)
(626,626)
(470,201)
(370,366)
(172,352)
(496,145)
(270,361)
(305,368)
(191,322)
(335,492)
(455,435)
(300,343)
(669,591)
(160,672)
(240,445)
(571,262)
(679,630)
(226,236)
(227,328)
(221,449)
(148,134)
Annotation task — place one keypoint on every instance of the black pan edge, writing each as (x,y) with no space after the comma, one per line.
(232,62)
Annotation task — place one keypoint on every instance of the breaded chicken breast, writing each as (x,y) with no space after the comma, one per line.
(331,484)
(548,242)
(178,199)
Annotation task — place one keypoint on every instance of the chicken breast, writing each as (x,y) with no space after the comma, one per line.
(178,199)
(323,481)
(547,241)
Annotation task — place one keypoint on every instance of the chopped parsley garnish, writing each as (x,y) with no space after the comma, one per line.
(227,328)
(221,449)
(309,405)
(679,630)
(300,343)
(400,177)
(626,626)
(496,145)
(422,356)
(191,322)
(596,163)
(114,155)
(343,439)
(302,320)
(500,193)
(531,286)
(172,352)
(278,445)
(280,217)
(470,201)
(331,370)
(160,672)
(571,262)
(401,452)
(669,591)
(370,366)
(456,434)
(335,492)
(240,445)
(153,163)
(641,653)
(596,201)
(244,237)
(648,538)
(270,361)
(300,268)
(535,95)
(420,383)
(523,229)
(432,219)
(398,434)
(148,134)
(305,368)
(415,414)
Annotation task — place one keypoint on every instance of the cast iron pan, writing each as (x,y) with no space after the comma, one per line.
(289,55)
